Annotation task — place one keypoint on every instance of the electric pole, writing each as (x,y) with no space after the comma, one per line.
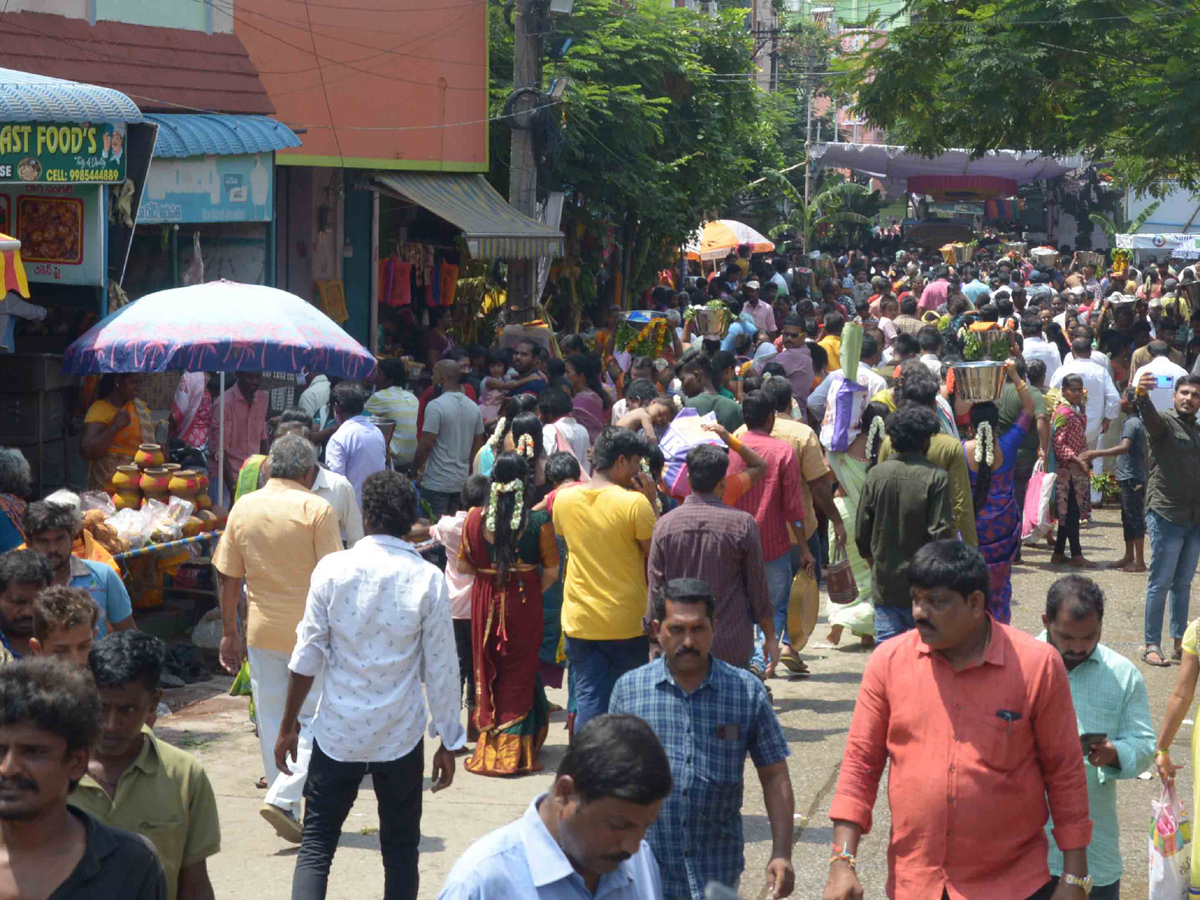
(522,184)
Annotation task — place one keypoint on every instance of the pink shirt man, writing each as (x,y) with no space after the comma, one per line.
(245,425)
(934,294)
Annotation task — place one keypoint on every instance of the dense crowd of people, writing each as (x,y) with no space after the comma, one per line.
(650,533)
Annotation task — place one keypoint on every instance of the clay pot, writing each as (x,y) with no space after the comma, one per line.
(161,497)
(203,501)
(150,455)
(192,527)
(131,499)
(184,484)
(126,478)
(202,479)
(155,481)
(209,520)
(171,467)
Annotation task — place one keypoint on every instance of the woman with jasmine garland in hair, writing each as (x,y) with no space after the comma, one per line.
(526,435)
(501,438)
(513,554)
(851,468)
(991,462)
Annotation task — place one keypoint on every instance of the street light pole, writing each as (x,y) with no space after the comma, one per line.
(522,184)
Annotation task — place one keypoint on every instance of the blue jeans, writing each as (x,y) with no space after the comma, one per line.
(779,589)
(892,621)
(595,668)
(1174,552)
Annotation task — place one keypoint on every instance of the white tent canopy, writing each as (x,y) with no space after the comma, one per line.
(1181,246)
(894,165)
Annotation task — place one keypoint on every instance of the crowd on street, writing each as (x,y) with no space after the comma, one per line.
(654,533)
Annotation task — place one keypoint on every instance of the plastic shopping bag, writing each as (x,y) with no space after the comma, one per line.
(1170,848)
(1039,500)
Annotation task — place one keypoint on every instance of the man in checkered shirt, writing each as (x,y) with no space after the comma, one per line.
(708,716)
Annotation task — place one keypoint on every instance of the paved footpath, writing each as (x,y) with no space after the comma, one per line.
(815,712)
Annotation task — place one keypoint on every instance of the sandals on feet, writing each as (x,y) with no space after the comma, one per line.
(1157,651)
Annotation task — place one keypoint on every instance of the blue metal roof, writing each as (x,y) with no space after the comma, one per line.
(25,97)
(188,134)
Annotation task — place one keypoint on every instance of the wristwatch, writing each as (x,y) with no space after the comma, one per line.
(1085,883)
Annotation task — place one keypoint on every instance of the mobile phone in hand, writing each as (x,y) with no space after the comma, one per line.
(1087,740)
(1164,381)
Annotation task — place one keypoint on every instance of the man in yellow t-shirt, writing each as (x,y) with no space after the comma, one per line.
(832,341)
(607,524)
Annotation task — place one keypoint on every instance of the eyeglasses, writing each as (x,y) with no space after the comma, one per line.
(793,335)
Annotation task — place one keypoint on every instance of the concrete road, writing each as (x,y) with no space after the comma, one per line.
(815,712)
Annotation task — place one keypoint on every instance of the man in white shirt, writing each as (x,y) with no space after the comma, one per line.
(334,489)
(586,837)
(561,431)
(930,340)
(1160,364)
(1036,347)
(315,396)
(1103,401)
(376,624)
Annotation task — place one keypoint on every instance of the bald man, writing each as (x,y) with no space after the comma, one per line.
(451,435)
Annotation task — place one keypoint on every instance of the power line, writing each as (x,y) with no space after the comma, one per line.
(324,90)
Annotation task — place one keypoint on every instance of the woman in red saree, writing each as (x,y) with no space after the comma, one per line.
(514,555)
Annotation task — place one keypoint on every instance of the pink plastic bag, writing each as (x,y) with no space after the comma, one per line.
(1035,523)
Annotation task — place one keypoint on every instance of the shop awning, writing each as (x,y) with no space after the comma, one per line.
(25,97)
(492,228)
(188,134)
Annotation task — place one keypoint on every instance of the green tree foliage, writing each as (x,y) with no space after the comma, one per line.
(831,214)
(1113,79)
(659,128)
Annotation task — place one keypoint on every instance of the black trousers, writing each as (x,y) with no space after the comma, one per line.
(1068,528)
(466,662)
(329,794)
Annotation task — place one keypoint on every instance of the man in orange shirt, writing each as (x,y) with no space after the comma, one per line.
(978,722)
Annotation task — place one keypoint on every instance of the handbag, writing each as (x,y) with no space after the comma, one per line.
(1170,848)
(839,576)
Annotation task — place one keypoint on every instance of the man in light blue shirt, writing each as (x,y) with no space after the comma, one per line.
(585,839)
(743,323)
(973,288)
(357,449)
(1113,716)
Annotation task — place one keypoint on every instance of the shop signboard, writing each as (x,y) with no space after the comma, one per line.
(62,153)
(209,189)
(61,229)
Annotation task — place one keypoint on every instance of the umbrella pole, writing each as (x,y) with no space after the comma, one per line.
(221,449)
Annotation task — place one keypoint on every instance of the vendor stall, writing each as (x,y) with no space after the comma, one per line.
(219,326)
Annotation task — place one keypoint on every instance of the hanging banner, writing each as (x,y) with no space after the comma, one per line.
(62,153)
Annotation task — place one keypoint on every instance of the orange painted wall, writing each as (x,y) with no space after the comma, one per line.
(385,64)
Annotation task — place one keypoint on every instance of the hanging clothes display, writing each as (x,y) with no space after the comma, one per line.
(449,282)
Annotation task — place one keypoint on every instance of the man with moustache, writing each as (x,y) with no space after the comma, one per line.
(49,717)
(23,573)
(1109,695)
(977,723)
(708,715)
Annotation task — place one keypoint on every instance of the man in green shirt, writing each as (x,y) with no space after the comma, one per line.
(905,504)
(135,781)
(1109,696)
(696,376)
(919,385)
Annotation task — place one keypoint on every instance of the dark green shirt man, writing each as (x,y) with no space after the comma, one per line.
(1174,487)
(905,504)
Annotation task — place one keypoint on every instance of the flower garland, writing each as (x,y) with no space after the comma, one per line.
(875,434)
(498,433)
(985,444)
(525,446)
(516,486)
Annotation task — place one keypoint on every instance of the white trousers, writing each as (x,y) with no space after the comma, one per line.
(268,684)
